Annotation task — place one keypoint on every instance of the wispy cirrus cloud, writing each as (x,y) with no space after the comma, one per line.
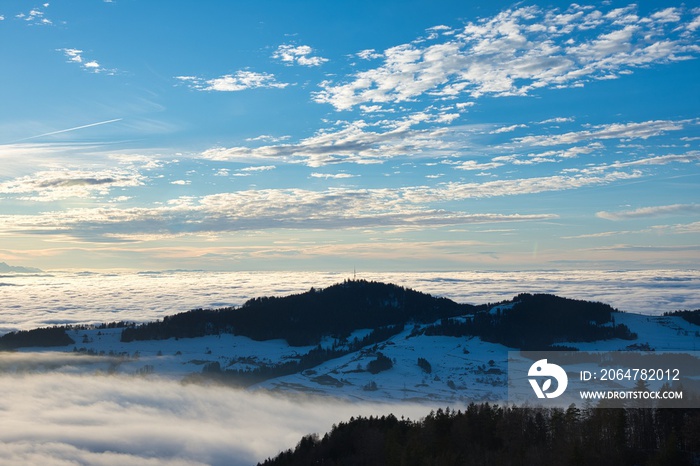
(555,120)
(508,129)
(259,168)
(239,81)
(517,52)
(332,176)
(336,208)
(428,134)
(521,186)
(358,142)
(651,212)
(474,165)
(298,55)
(621,131)
(268,138)
(248,171)
(688,157)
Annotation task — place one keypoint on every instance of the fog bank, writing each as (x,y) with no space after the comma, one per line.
(62,418)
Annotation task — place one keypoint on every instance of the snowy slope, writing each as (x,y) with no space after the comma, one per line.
(462,368)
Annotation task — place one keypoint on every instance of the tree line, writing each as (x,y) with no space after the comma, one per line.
(690,316)
(485,434)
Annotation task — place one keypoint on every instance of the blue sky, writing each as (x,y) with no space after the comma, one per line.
(319,135)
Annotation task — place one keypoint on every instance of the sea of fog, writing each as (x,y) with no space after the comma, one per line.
(34,300)
(57,411)
(62,418)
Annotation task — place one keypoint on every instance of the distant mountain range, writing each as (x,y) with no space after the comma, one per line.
(5,268)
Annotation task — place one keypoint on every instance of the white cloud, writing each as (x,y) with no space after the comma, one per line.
(76,56)
(371,108)
(551,156)
(268,138)
(261,168)
(369,54)
(695,23)
(679,228)
(354,142)
(669,15)
(474,165)
(35,17)
(298,54)
(556,120)
(26,158)
(336,208)
(52,185)
(689,157)
(622,131)
(239,81)
(459,191)
(651,212)
(333,176)
(181,182)
(514,53)
(507,129)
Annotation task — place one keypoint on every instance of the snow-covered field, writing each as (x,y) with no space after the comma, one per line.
(463,369)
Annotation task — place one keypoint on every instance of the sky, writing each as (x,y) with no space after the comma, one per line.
(385,135)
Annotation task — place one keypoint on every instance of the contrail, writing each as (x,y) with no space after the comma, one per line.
(71,129)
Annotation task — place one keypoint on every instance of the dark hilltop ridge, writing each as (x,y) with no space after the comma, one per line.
(304,319)
(528,321)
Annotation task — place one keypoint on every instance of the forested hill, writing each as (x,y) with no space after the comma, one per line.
(303,319)
(491,435)
(538,321)
(528,321)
